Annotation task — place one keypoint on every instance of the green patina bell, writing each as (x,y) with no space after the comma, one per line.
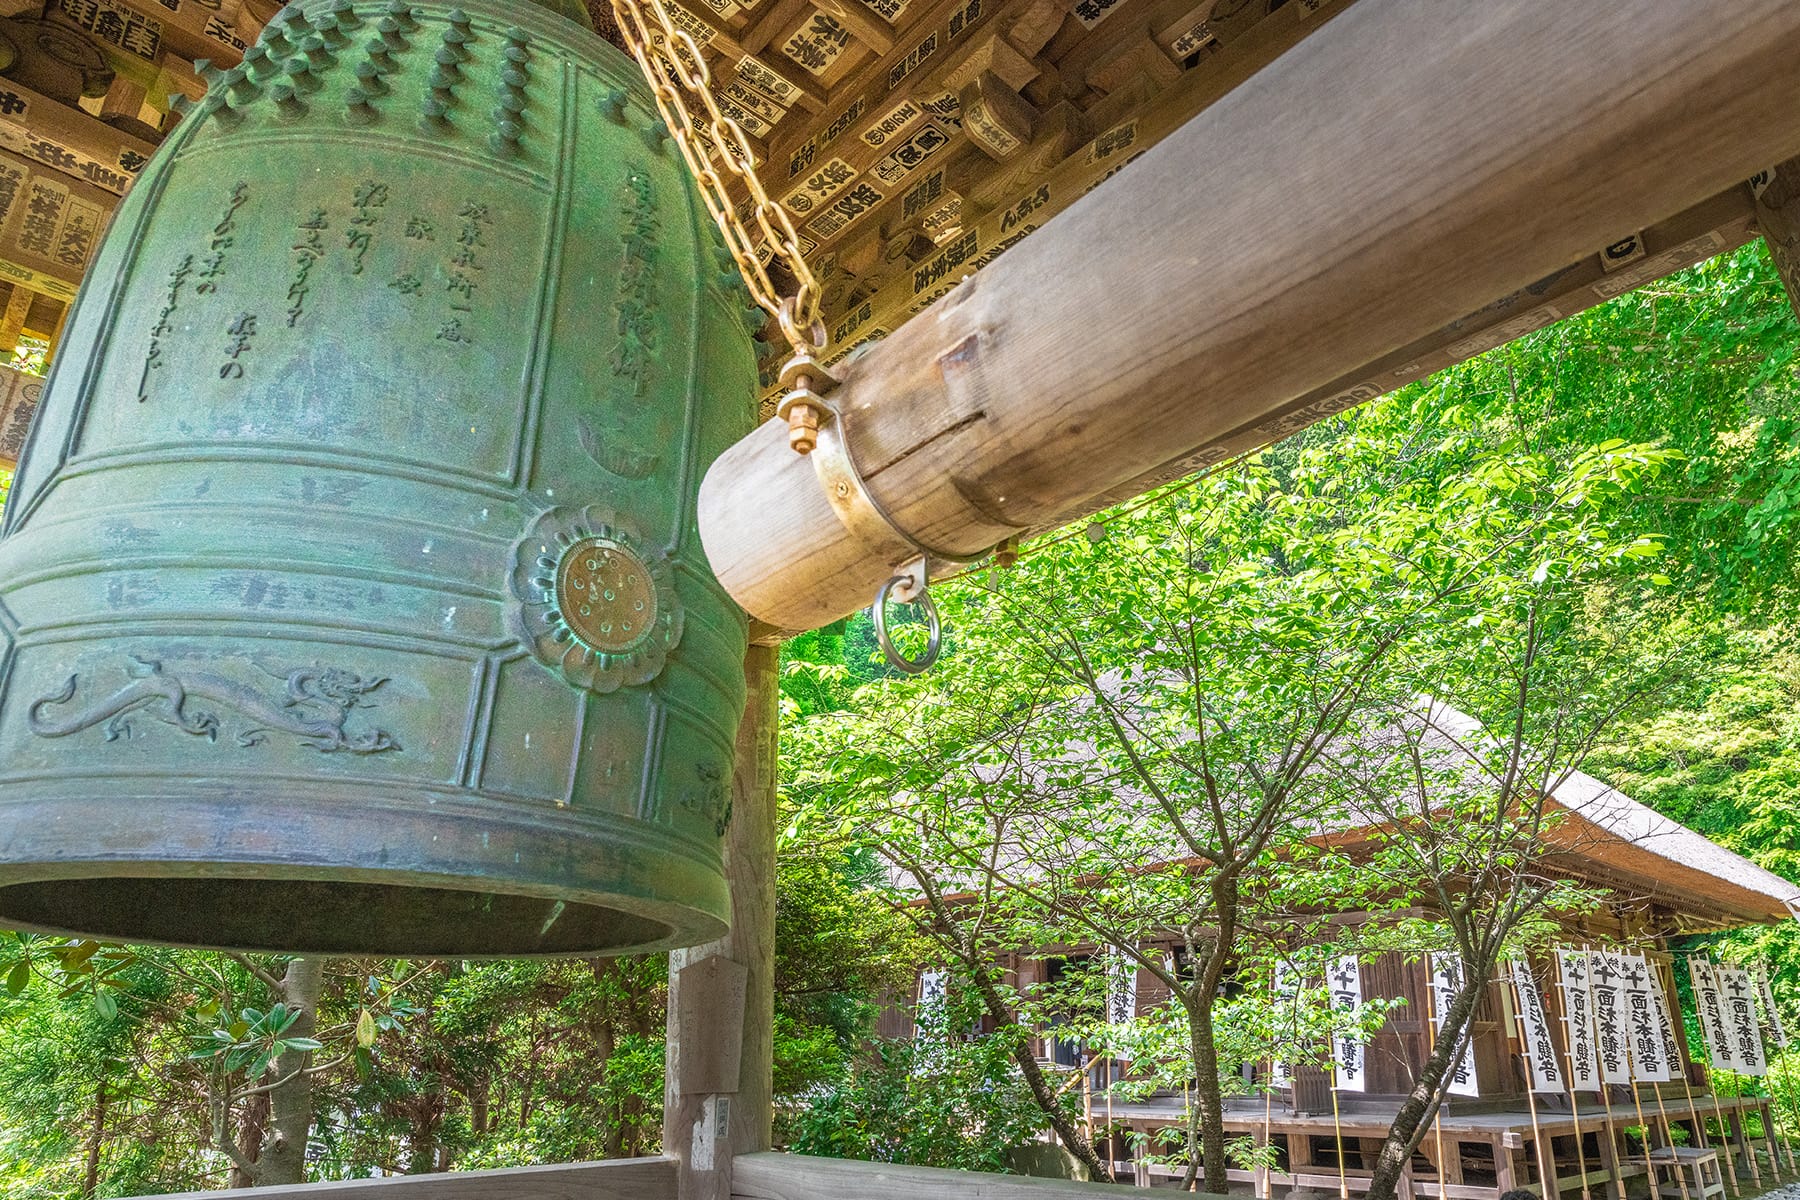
(350,594)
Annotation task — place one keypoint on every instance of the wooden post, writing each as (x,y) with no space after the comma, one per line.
(718,1094)
(1252,257)
(12,324)
(1778,214)
(62,320)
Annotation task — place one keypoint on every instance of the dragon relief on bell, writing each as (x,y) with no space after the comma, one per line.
(591,601)
(314,706)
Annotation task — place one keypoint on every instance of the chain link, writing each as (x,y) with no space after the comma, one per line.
(675,68)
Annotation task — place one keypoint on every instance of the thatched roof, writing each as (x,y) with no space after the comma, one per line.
(1605,837)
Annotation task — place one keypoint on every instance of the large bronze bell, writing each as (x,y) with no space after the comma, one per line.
(350,595)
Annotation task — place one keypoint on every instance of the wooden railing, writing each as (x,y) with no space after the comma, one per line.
(619,1179)
(771,1176)
(766,1176)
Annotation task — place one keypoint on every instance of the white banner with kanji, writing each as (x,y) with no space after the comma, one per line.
(1667,1012)
(1605,973)
(1534,1030)
(1738,994)
(1771,1014)
(1713,1027)
(1286,991)
(1578,1020)
(1648,1052)
(1345,984)
(1121,987)
(1446,981)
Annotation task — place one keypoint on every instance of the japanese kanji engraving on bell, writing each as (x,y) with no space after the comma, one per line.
(350,594)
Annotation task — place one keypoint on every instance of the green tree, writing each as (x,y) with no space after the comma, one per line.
(1191,691)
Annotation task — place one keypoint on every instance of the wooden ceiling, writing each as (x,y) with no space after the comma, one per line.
(913,140)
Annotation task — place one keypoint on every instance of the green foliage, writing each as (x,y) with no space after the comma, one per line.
(949,1096)
(839,947)
(416,1066)
(1609,508)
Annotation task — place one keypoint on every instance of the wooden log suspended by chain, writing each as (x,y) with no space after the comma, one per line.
(1405,165)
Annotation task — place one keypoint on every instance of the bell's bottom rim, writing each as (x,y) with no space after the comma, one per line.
(354,857)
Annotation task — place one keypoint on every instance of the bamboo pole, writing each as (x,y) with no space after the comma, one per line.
(1511,1001)
(1574,1108)
(1767,1117)
(1673,1003)
(1637,1103)
(1616,1143)
(1192,301)
(1737,1106)
(1712,1086)
(1337,1130)
(1437,1112)
(1267,1181)
(1792,1109)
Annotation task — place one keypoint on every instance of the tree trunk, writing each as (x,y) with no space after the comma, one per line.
(90,1179)
(1041,1091)
(283,1157)
(251,1129)
(1410,1125)
(1209,1100)
(1203,1043)
(479,1094)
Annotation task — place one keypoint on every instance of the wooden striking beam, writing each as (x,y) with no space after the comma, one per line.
(618,1179)
(1717,225)
(1352,197)
(801,1177)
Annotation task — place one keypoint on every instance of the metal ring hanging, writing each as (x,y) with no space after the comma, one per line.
(933,630)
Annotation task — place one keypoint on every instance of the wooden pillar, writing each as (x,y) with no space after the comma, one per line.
(62,321)
(1778,213)
(717,1095)
(12,324)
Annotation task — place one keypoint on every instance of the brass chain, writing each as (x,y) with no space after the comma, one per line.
(675,68)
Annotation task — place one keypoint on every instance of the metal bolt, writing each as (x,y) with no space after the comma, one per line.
(803,428)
